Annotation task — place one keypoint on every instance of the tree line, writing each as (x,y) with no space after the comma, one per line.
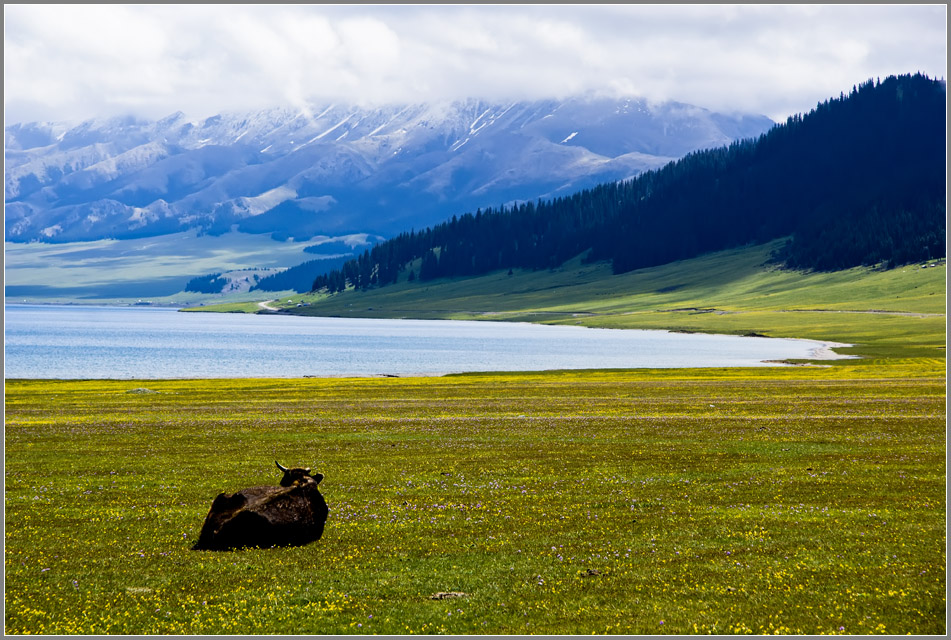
(212,283)
(301,277)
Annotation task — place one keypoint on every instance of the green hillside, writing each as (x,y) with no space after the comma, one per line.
(894,313)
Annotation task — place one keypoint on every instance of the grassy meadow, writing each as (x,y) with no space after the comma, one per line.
(804,499)
(792,500)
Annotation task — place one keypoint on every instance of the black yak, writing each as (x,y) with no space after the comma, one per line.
(292,514)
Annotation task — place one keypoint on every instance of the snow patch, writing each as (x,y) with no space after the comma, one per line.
(324,112)
(476,121)
(139,218)
(330,130)
(355,240)
(569,137)
(478,129)
(256,205)
(316,204)
(377,130)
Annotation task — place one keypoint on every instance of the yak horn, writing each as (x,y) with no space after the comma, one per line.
(280,467)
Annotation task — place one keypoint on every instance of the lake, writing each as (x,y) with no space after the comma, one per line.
(150,343)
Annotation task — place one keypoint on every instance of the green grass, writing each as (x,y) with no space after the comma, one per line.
(279,299)
(797,500)
(233,307)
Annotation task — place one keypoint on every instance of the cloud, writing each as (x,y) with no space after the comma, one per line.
(72,62)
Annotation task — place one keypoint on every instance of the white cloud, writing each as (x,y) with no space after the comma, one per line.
(79,61)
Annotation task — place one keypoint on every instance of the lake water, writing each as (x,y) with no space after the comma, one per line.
(149,343)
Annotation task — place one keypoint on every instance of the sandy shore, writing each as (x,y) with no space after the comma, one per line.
(825,351)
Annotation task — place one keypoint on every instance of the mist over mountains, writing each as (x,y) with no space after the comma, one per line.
(334,169)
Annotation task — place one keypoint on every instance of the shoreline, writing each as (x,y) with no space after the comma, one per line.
(815,350)
(825,351)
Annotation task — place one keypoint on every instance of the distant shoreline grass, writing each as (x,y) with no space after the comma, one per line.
(885,313)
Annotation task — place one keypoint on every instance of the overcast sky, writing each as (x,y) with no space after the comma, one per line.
(73,62)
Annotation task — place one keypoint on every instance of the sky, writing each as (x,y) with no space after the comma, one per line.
(75,62)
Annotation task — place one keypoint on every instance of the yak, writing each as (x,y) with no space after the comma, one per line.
(292,514)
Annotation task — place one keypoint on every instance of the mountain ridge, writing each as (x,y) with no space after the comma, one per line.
(334,168)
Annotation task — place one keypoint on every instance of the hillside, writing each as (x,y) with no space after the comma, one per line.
(885,313)
(860,180)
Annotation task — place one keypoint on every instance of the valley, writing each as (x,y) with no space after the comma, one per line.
(126,271)
(245,188)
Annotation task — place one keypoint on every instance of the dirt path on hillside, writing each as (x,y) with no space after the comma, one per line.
(267,306)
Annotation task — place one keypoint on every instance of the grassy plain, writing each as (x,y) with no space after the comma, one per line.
(788,499)
(796,500)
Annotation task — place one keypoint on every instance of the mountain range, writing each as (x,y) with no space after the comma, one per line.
(334,169)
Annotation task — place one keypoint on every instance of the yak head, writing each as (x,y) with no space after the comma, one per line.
(298,476)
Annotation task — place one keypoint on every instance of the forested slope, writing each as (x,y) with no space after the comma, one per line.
(859,180)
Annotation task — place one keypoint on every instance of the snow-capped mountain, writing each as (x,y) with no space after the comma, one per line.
(333,169)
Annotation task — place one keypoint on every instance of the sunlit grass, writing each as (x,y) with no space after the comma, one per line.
(735,280)
(796,500)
